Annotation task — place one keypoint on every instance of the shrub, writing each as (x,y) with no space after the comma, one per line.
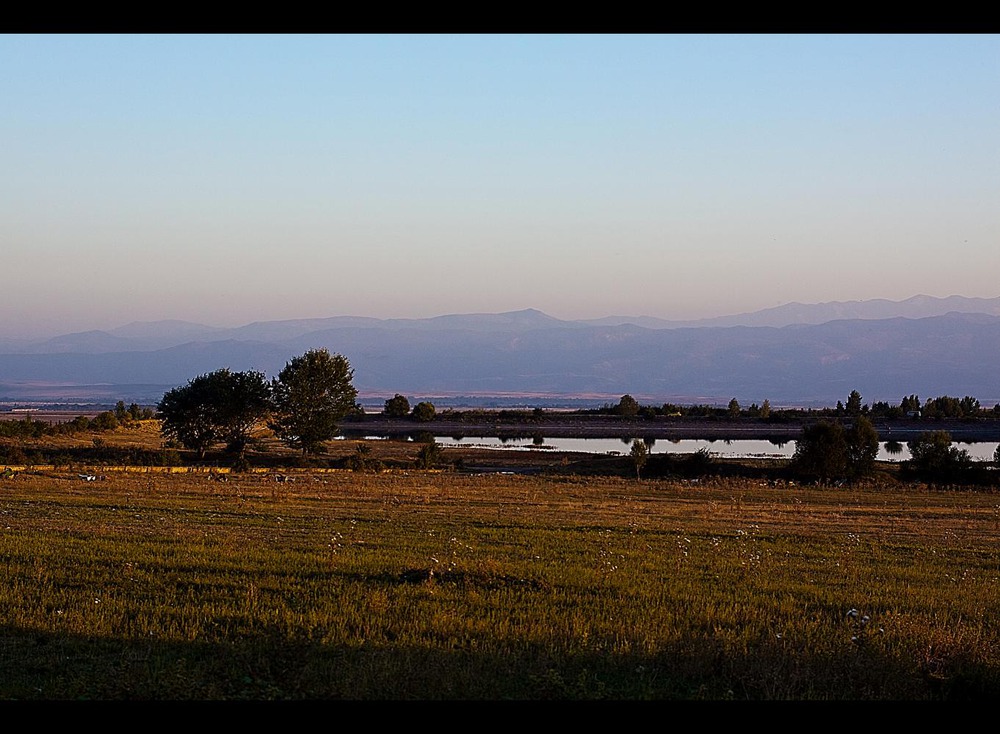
(424,412)
(105,421)
(429,455)
(933,457)
(397,407)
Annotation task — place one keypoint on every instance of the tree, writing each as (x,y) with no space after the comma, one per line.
(853,403)
(734,408)
(424,412)
(943,406)
(640,455)
(821,451)
(827,451)
(970,406)
(105,421)
(397,407)
(882,409)
(910,404)
(765,409)
(218,406)
(188,413)
(933,457)
(627,407)
(311,395)
(244,401)
(862,448)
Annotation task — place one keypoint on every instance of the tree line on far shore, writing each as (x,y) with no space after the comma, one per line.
(943,406)
(827,450)
(313,394)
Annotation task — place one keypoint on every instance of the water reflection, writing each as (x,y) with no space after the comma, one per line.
(733,448)
(773,448)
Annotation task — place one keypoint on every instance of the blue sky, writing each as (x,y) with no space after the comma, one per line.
(226,179)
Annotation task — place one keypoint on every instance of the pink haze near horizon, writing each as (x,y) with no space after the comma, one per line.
(230,179)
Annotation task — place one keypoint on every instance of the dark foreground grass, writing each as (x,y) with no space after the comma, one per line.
(443,586)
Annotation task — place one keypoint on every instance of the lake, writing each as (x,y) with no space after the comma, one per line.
(737,448)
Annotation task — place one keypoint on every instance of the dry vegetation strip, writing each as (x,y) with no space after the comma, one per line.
(439,585)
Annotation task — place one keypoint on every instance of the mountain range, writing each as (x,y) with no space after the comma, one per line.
(795,354)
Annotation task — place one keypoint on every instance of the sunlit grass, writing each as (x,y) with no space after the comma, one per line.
(436,585)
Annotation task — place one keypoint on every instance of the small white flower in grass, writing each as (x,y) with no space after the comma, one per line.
(852,613)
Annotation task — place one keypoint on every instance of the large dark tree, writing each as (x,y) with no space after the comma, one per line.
(854,405)
(821,451)
(627,406)
(424,412)
(862,448)
(640,455)
(311,395)
(934,458)
(826,451)
(397,407)
(218,406)
(244,402)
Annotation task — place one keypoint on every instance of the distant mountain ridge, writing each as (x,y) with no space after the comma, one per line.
(917,307)
(152,335)
(885,349)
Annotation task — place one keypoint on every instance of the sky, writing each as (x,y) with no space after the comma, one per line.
(226,179)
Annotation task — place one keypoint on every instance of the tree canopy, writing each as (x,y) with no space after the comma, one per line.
(217,406)
(424,412)
(933,457)
(827,450)
(862,448)
(821,451)
(397,406)
(311,395)
(640,455)
(627,406)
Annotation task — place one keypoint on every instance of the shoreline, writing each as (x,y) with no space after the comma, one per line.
(670,428)
(562,425)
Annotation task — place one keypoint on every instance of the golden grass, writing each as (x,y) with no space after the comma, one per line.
(411,584)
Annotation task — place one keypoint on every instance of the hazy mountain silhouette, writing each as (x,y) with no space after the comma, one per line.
(884,357)
(916,307)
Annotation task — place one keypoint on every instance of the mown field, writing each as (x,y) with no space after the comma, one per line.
(427,585)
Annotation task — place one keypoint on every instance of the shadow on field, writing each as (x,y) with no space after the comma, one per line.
(272,664)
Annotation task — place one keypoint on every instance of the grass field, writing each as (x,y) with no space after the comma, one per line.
(440,585)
